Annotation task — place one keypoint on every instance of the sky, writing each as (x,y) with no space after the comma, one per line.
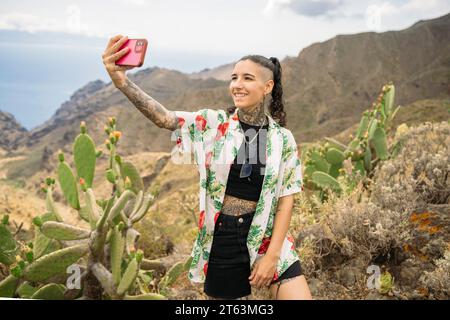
(51,48)
(268,27)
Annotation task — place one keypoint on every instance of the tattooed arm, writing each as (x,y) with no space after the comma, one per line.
(148,106)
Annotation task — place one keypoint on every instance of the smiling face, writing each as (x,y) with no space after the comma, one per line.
(249,83)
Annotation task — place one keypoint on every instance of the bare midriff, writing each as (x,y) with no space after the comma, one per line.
(234,206)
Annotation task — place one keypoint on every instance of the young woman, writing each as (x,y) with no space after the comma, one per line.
(249,172)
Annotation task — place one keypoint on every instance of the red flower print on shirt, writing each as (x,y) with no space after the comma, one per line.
(236,117)
(208,159)
(201,219)
(200,122)
(205,268)
(275,276)
(264,245)
(291,239)
(180,121)
(216,216)
(222,130)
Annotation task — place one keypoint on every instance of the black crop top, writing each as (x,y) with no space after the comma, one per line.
(249,188)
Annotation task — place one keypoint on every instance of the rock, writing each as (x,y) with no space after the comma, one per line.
(409,276)
(88,90)
(375,295)
(12,131)
(315,286)
(347,276)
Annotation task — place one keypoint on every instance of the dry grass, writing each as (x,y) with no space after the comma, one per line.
(400,224)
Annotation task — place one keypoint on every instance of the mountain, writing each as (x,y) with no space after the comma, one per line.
(331,83)
(11,131)
(97,99)
(326,88)
(222,72)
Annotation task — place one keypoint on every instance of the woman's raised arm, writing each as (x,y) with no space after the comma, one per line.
(148,106)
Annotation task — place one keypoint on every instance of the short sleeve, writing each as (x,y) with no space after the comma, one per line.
(192,132)
(292,173)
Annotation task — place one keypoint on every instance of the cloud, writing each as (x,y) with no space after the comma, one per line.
(429,6)
(376,15)
(26,22)
(375,12)
(314,8)
(328,9)
(135,2)
(71,22)
(274,5)
(371,11)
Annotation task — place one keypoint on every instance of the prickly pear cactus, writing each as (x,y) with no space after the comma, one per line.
(334,167)
(101,261)
(8,246)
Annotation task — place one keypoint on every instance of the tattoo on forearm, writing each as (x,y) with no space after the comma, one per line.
(149,107)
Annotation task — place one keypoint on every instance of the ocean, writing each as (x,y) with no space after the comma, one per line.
(38,72)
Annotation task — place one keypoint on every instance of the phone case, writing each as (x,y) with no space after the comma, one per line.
(134,57)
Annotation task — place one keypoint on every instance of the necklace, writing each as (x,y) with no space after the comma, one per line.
(246,169)
(248,143)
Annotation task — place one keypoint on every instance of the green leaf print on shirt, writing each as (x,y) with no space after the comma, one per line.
(253,235)
(287,152)
(213,187)
(217,205)
(214,190)
(202,234)
(283,266)
(235,152)
(196,135)
(289,178)
(270,180)
(220,118)
(205,254)
(260,206)
(273,208)
(218,145)
(269,147)
(196,255)
(192,131)
(269,226)
(229,137)
(210,176)
(203,184)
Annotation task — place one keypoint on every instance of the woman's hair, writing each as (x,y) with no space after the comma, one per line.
(276,107)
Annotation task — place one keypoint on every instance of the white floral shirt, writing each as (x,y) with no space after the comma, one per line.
(213,138)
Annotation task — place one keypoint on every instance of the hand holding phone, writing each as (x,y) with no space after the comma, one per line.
(112,54)
(136,53)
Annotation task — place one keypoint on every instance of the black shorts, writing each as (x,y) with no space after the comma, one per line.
(229,260)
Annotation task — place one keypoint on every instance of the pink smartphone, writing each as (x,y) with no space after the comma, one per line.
(136,54)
